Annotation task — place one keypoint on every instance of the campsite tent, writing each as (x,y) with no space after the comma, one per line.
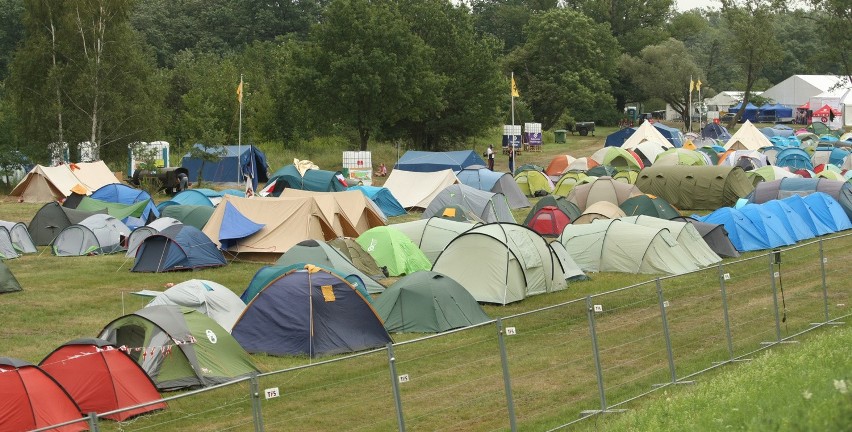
(362,260)
(568,181)
(316,180)
(52,218)
(646,132)
(309,311)
(319,253)
(793,222)
(598,210)
(567,207)
(21,239)
(197,197)
(794,159)
(433,235)
(696,187)
(533,183)
(839,190)
(45,184)
(428,302)
(487,206)
(349,212)
(122,194)
(93,175)
(208,297)
(424,161)
(8,282)
(31,399)
(649,205)
(418,189)
(715,236)
(715,131)
(649,151)
(681,156)
(769,173)
(266,274)
(503,263)
(137,236)
(383,198)
(498,182)
(7,248)
(179,347)
(618,158)
(618,246)
(132,215)
(742,232)
(602,189)
(558,166)
(548,221)
(813,219)
(178,247)
(748,137)
(193,215)
(749,112)
(96,235)
(100,377)
(230,164)
(828,210)
(688,238)
(394,250)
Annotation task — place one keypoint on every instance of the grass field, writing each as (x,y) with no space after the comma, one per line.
(457,382)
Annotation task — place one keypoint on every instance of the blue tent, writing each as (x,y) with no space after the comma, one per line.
(741,230)
(674,135)
(423,161)
(235,226)
(267,274)
(313,180)
(750,113)
(383,198)
(768,224)
(811,219)
(309,312)
(231,165)
(617,138)
(715,131)
(178,247)
(123,194)
(795,223)
(784,142)
(794,158)
(828,210)
(199,197)
(836,156)
(773,112)
(491,181)
(839,190)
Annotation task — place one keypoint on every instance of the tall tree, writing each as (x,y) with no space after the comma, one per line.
(836,20)
(366,68)
(744,19)
(506,19)
(567,64)
(11,33)
(664,71)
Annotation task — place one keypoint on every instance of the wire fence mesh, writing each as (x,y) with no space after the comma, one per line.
(836,257)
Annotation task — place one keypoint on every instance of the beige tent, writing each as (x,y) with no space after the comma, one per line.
(93,175)
(602,189)
(286,221)
(434,234)
(417,189)
(748,137)
(646,132)
(347,210)
(45,184)
(599,210)
(687,236)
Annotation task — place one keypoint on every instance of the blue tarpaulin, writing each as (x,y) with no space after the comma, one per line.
(423,161)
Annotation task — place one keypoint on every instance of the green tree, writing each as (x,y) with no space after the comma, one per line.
(567,63)
(752,54)
(835,18)
(664,71)
(11,33)
(366,68)
(506,19)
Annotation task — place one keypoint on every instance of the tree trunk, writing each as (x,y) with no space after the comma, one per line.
(364,135)
(57,83)
(749,83)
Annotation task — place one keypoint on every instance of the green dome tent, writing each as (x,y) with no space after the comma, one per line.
(428,302)
(8,282)
(649,205)
(318,253)
(392,249)
(434,234)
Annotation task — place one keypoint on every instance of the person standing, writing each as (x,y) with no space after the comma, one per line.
(512,161)
(489,154)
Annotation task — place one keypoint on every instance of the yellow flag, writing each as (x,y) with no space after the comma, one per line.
(691,85)
(514,88)
(240,91)
(698,85)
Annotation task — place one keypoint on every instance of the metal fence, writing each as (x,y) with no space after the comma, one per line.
(545,369)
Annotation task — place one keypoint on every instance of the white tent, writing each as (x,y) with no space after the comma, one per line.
(418,189)
(646,132)
(839,98)
(799,89)
(748,137)
(93,175)
(210,298)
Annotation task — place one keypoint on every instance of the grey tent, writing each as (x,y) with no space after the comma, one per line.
(210,298)
(97,234)
(687,236)
(488,206)
(428,302)
(479,177)
(52,218)
(360,258)
(7,248)
(696,187)
(8,282)
(140,234)
(780,189)
(318,253)
(715,235)
(20,236)
(434,234)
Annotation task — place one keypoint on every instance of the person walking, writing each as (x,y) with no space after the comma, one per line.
(489,154)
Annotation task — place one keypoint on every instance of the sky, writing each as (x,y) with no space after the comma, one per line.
(685,5)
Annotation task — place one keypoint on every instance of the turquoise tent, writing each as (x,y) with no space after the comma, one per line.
(383,198)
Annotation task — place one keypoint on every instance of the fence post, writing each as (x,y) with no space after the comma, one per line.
(507,378)
(395,384)
(822,262)
(774,296)
(728,336)
(256,413)
(663,305)
(595,352)
(93,422)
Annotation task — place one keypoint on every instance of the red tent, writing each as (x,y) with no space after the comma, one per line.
(101,378)
(822,114)
(549,221)
(31,399)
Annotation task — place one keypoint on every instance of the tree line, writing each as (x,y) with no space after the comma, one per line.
(430,72)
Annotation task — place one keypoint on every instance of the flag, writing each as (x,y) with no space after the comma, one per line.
(268,189)
(698,85)
(514,88)
(240,91)
(691,85)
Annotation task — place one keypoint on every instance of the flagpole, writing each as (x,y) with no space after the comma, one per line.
(512,142)
(689,109)
(240,134)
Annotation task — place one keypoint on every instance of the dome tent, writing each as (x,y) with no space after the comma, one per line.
(97,234)
(434,234)
(487,206)
(602,189)
(33,400)
(208,297)
(392,249)
(319,253)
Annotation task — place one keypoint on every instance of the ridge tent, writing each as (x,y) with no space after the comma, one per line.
(503,263)
(195,216)
(417,189)
(46,184)
(618,246)
(383,198)
(319,253)
(599,210)
(548,221)
(747,137)
(649,205)
(231,163)
(7,248)
(741,230)
(31,399)
(498,182)
(101,378)
(558,166)
(696,187)
(198,197)
(392,249)
(179,347)
(487,206)
(344,208)
(602,189)
(52,218)
(424,161)
(208,297)
(137,236)
(93,175)
(310,311)
(20,236)
(178,247)
(715,236)
(8,282)
(688,238)
(533,183)
(363,261)
(567,207)
(434,234)
(841,191)
(428,302)
(96,235)
(646,132)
